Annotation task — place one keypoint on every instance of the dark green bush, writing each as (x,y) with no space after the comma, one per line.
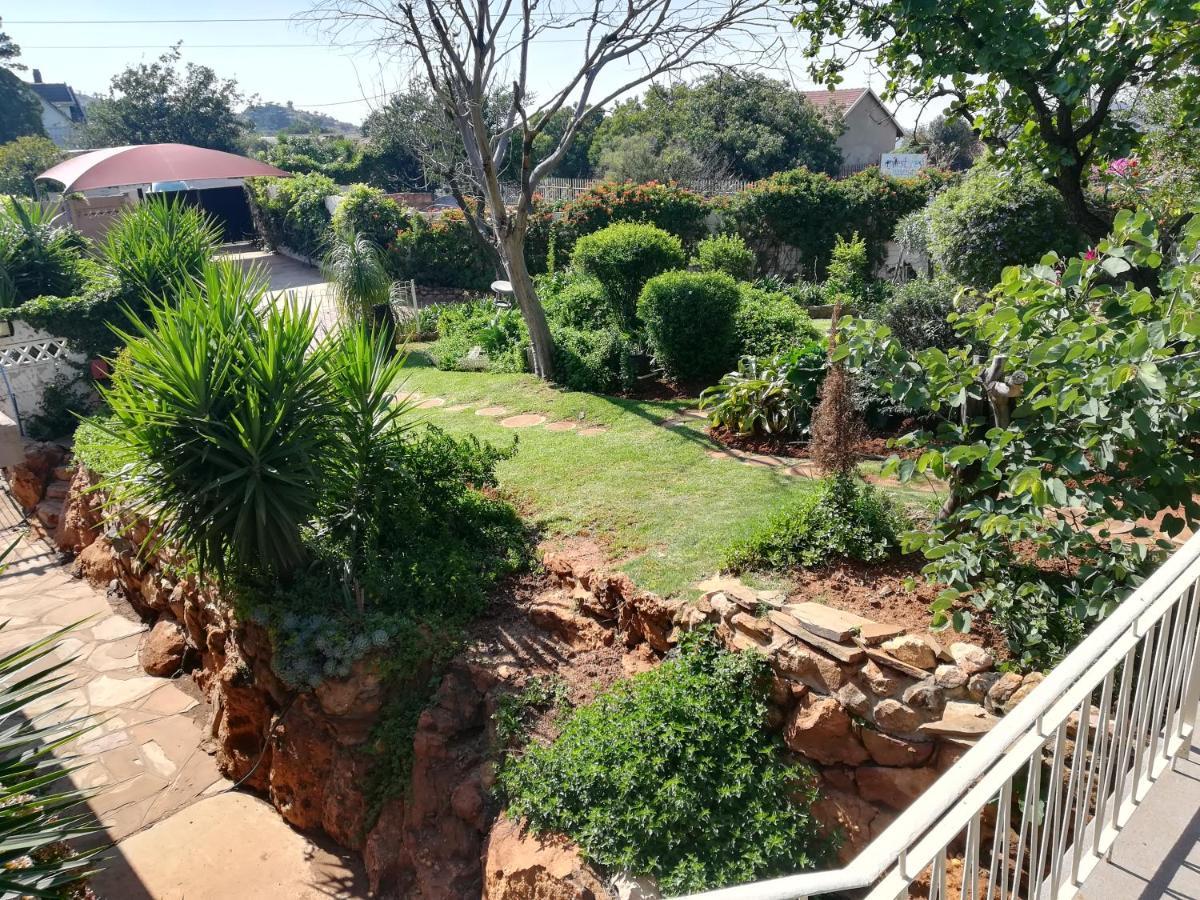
(674,209)
(575,302)
(499,334)
(916,312)
(291,212)
(691,323)
(85,321)
(771,397)
(726,253)
(37,257)
(843,519)
(368,211)
(443,252)
(996,219)
(769,322)
(672,774)
(623,257)
(599,360)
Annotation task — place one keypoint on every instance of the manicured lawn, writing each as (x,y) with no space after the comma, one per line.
(650,494)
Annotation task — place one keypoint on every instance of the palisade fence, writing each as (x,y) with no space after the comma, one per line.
(1037,803)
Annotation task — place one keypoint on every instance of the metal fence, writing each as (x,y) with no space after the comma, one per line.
(1038,802)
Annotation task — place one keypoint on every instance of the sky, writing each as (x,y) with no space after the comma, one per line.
(85,43)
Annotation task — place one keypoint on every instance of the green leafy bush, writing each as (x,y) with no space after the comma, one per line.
(443,252)
(155,245)
(995,219)
(849,271)
(672,774)
(23,160)
(674,209)
(291,212)
(726,253)
(771,397)
(464,327)
(37,256)
(598,360)
(623,257)
(1100,421)
(918,313)
(842,519)
(575,302)
(691,323)
(368,211)
(769,323)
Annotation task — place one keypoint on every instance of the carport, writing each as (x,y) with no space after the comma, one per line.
(115,177)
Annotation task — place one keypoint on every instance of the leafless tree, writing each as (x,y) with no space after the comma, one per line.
(467,49)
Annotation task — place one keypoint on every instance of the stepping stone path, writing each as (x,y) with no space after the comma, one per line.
(560,426)
(784,465)
(491,411)
(524,421)
(431,403)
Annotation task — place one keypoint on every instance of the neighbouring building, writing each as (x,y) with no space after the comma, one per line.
(62,113)
(870,128)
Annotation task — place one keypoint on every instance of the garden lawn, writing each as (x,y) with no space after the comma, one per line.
(649,494)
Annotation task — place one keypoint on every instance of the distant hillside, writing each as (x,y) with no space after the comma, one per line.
(276,118)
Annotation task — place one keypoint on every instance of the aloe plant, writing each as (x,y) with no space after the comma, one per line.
(37,817)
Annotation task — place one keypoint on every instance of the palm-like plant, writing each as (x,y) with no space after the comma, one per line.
(222,414)
(157,244)
(37,256)
(36,818)
(354,266)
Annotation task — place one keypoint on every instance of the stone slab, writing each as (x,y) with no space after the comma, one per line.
(849,655)
(838,625)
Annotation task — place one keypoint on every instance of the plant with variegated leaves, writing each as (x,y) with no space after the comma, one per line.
(1068,426)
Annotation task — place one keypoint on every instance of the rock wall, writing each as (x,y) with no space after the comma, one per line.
(880,713)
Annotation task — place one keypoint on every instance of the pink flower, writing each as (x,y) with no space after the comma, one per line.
(1123,167)
(1091,254)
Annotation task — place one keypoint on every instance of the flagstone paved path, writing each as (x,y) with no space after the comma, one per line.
(145,756)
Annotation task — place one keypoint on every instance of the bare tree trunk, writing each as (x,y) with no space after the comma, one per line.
(512,248)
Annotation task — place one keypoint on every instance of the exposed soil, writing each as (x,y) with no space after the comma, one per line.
(878,591)
(872,447)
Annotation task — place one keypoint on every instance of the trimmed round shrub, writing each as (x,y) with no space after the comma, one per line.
(597,360)
(370,212)
(691,323)
(916,312)
(623,257)
(770,322)
(672,774)
(993,220)
(726,253)
(576,302)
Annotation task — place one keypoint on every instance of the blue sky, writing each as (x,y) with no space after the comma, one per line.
(277,60)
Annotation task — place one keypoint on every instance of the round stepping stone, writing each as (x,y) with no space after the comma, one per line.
(561,426)
(403,396)
(594,430)
(803,471)
(693,414)
(491,411)
(525,421)
(457,407)
(431,403)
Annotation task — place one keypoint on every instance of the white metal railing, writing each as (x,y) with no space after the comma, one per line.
(1038,801)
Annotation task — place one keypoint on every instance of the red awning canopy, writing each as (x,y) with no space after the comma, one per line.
(148,163)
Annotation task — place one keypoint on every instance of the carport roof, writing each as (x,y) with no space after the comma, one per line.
(148,163)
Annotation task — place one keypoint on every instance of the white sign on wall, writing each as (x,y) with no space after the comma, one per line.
(902,165)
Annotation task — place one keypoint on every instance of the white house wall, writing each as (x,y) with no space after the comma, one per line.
(869,134)
(31,360)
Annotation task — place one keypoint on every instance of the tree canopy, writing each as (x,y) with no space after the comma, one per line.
(733,125)
(158,102)
(1037,80)
(23,160)
(20,109)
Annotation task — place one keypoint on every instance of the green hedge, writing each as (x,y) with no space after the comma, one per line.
(291,212)
(770,322)
(368,211)
(690,320)
(673,209)
(440,253)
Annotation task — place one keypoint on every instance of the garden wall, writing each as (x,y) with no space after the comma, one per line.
(879,713)
(31,360)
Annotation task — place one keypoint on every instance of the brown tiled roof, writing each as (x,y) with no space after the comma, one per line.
(843,98)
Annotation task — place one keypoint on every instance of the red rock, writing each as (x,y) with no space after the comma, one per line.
(912,650)
(808,666)
(80,522)
(163,649)
(894,716)
(971,659)
(821,730)
(521,866)
(846,814)
(27,481)
(97,563)
(558,613)
(896,788)
(886,750)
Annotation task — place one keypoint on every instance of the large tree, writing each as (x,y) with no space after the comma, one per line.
(20,109)
(1036,80)
(161,103)
(468,51)
(744,125)
(22,160)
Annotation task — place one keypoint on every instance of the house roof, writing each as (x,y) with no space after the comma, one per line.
(148,163)
(846,99)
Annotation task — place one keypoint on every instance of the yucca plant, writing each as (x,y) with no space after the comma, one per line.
(157,244)
(37,256)
(354,266)
(222,411)
(37,816)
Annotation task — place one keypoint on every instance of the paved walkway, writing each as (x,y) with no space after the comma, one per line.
(158,793)
(288,275)
(1158,852)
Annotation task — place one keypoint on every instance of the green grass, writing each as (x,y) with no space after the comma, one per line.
(662,508)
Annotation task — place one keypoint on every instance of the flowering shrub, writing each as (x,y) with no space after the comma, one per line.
(673,209)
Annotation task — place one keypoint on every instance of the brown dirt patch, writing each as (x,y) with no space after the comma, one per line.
(872,447)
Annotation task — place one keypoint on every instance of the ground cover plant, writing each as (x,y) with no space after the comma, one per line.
(672,774)
(1065,427)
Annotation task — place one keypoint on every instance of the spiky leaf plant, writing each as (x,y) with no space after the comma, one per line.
(222,416)
(354,267)
(38,256)
(37,815)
